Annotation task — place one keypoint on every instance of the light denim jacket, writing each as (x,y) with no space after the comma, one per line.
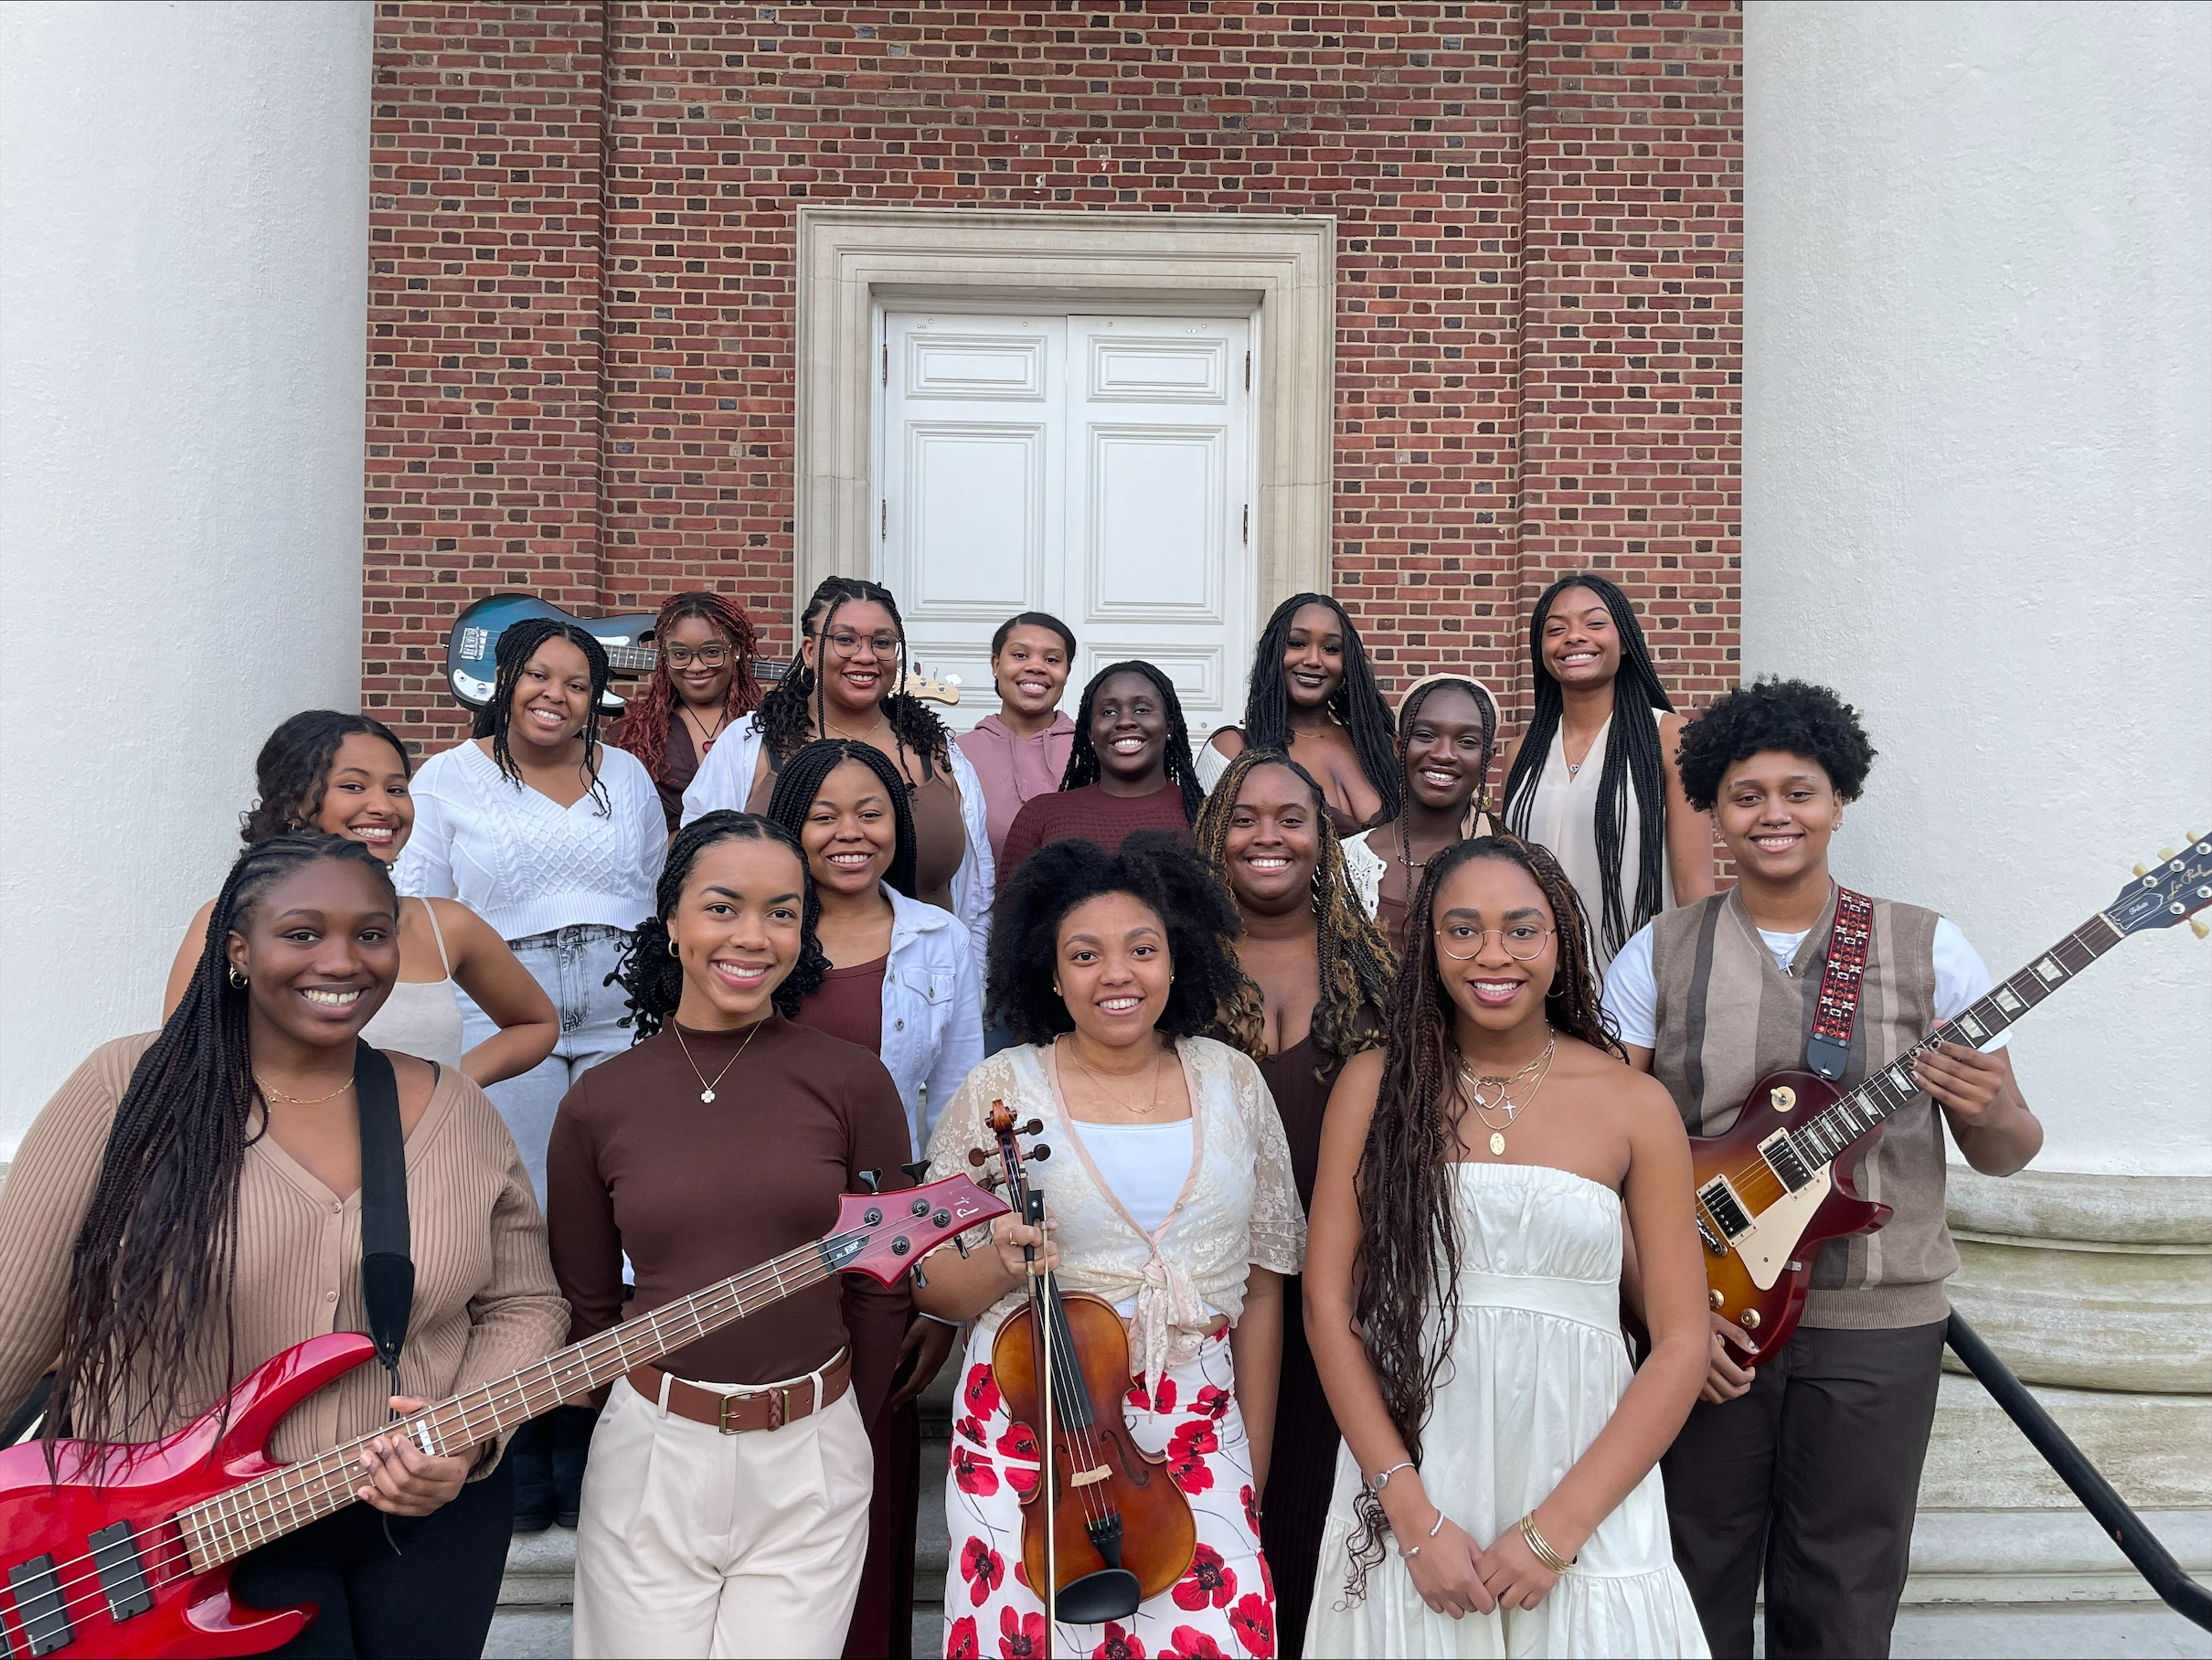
(932,1010)
(725,779)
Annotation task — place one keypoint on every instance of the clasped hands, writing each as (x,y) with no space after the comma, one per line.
(1457,1577)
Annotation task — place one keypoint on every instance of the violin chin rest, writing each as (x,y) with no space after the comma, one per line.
(1110,1593)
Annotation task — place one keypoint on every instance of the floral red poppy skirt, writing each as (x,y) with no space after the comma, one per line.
(1224,1606)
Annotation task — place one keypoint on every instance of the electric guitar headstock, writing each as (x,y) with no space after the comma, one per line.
(2172,891)
(929,688)
(885,1235)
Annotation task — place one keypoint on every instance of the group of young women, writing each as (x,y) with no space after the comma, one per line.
(1311,1024)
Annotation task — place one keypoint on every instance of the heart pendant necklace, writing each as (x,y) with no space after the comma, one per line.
(1486,1095)
(705,1089)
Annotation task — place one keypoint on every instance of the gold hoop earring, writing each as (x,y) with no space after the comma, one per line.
(672,949)
(238,979)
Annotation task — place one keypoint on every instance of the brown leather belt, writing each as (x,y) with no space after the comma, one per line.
(763,1409)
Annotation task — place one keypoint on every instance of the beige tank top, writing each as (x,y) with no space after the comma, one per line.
(1564,818)
(421,1018)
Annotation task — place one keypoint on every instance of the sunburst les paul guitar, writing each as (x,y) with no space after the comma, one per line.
(1780,1182)
(127,1550)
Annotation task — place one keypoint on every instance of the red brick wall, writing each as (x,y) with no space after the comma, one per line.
(1539,231)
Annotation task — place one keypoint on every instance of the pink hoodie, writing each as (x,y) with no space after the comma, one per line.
(1014,769)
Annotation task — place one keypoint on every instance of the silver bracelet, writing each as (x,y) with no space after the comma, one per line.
(1377,1483)
(1406,1555)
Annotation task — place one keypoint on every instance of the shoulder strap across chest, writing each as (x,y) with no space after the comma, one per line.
(388,1266)
(1835,1012)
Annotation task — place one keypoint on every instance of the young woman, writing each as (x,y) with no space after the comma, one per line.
(1446,725)
(1604,794)
(1130,768)
(1317,975)
(554,840)
(1462,1297)
(848,684)
(1710,999)
(188,1206)
(1171,1198)
(1021,752)
(722,1140)
(348,775)
(1312,693)
(900,984)
(702,682)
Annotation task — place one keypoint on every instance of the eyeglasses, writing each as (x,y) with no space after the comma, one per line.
(1523,941)
(847,644)
(710,656)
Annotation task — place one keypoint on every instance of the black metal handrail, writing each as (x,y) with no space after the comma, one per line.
(2183,1594)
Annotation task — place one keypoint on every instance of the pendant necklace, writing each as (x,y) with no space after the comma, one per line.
(705,1089)
(1486,1095)
(1144,1112)
(706,738)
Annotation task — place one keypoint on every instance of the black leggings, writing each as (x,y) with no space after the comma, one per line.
(434,1597)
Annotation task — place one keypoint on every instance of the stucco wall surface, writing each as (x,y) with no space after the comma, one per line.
(181,287)
(1978,488)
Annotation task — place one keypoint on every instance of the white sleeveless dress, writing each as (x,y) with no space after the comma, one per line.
(1537,1365)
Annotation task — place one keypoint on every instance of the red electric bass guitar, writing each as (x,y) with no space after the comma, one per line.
(1779,1183)
(138,1563)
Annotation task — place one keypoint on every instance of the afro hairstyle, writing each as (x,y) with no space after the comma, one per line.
(1151,866)
(1794,717)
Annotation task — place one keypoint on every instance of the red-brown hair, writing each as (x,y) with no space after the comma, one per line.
(644,727)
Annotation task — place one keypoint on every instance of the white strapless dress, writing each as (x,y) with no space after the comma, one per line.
(1537,1367)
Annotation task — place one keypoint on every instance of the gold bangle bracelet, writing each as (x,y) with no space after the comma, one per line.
(1544,1552)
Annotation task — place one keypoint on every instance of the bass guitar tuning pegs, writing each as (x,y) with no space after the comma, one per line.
(871,1179)
(917,1171)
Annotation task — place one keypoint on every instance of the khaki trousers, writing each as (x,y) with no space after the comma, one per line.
(697,1543)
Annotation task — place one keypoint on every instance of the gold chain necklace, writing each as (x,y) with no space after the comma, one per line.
(705,1089)
(1484,1103)
(867,737)
(1100,1083)
(269,1093)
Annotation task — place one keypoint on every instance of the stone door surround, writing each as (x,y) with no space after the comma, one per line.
(850,260)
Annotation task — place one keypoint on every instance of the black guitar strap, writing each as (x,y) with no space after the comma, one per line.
(388,1266)
(1828,1050)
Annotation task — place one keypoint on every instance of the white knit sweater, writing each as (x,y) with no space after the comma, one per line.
(524,865)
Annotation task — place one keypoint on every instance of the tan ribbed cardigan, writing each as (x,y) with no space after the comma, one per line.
(485,1304)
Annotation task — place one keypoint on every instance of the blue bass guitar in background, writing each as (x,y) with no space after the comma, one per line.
(471,650)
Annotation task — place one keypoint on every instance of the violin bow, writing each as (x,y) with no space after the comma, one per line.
(1041,1310)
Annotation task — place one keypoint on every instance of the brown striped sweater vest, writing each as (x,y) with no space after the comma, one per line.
(1728,1016)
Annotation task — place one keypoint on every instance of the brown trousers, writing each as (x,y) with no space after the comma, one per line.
(1811,1479)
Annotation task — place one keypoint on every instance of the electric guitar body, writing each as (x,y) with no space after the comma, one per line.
(1760,1285)
(1781,1181)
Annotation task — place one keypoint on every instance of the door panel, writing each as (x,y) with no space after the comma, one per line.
(1097,468)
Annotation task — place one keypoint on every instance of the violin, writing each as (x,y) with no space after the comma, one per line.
(1105,1526)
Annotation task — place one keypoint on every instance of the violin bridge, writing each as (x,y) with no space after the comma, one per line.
(1088,1478)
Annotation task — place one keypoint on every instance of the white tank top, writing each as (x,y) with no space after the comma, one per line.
(421,1018)
(1564,818)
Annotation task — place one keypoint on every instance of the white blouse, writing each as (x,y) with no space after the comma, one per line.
(525,864)
(1237,1208)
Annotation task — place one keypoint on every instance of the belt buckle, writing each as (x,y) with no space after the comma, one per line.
(779,1408)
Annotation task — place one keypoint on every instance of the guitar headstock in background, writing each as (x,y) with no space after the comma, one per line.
(886,1234)
(2172,891)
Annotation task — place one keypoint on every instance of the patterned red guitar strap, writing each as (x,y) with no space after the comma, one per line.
(1828,1050)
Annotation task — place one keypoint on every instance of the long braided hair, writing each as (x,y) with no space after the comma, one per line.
(650,971)
(644,727)
(1408,714)
(1409,1245)
(155,1259)
(1353,952)
(1357,704)
(793,711)
(1633,760)
(1182,767)
(292,770)
(517,644)
(802,780)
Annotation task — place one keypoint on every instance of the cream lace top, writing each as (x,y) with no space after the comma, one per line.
(1239,1207)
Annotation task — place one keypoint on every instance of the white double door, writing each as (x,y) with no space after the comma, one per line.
(1096,468)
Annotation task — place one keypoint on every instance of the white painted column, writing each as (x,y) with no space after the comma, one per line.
(1978,489)
(183,298)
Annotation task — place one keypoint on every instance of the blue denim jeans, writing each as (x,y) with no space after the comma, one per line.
(572,964)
